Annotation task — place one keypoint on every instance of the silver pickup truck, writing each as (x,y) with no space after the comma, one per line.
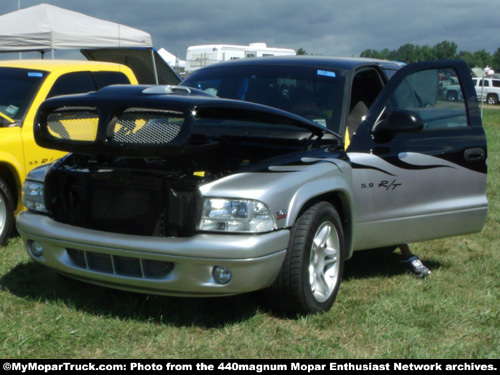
(255,174)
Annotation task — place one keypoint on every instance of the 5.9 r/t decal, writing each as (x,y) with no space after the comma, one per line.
(387,185)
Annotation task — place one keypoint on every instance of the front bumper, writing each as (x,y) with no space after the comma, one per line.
(168,266)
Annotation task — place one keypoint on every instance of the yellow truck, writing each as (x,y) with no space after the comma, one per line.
(24,85)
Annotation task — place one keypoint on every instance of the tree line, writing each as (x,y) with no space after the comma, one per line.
(410,53)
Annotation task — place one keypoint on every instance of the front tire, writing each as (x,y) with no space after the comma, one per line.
(492,99)
(6,212)
(452,96)
(311,274)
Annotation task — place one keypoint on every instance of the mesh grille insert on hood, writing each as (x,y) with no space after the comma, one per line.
(137,126)
(73,124)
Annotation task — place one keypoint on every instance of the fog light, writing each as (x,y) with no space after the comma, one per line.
(222,275)
(36,248)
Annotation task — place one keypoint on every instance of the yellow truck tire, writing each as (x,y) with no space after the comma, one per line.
(6,212)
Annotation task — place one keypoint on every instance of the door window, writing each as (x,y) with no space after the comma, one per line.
(366,86)
(424,96)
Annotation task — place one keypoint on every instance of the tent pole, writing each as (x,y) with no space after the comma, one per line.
(19,8)
(154,65)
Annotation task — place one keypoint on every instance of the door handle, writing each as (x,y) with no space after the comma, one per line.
(474,154)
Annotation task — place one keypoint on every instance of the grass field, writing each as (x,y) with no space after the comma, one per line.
(381,312)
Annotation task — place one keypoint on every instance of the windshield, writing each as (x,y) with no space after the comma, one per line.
(313,93)
(18,88)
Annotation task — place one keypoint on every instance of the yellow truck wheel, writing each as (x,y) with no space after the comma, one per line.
(6,212)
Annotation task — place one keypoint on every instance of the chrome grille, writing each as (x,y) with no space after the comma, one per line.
(138,126)
(120,265)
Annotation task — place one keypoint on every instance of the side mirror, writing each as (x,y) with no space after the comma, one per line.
(402,121)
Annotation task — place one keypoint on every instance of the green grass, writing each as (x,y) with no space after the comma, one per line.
(381,312)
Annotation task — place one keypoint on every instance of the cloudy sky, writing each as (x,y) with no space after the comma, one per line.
(326,27)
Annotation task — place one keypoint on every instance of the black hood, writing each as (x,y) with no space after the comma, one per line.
(96,123)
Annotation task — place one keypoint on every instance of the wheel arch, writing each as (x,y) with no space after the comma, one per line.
(342,202)
(452,94)
(7,173)
(494,95)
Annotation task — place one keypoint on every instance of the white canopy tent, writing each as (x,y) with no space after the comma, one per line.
(46,27)
(171,59)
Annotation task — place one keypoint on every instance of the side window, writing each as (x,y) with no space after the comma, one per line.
(366,86)
(210,85)
(103,79)
(484,83)
(73,83)
(438,105)
(496,83)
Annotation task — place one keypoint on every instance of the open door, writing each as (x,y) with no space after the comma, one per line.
(419,159)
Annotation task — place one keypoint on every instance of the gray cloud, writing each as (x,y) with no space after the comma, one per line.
(327,27)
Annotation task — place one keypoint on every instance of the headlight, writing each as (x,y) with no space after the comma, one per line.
(33,198)
(235,215)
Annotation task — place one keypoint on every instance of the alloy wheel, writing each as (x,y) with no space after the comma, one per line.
(324,262)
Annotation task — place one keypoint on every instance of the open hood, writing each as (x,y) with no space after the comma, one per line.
(148,66)
(144,121)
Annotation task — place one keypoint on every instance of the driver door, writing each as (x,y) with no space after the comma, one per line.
(419,159)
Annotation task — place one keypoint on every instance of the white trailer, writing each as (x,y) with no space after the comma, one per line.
(200,56)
